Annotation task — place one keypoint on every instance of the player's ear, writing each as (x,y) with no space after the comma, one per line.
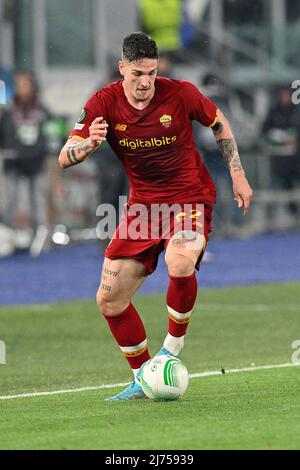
(121,67)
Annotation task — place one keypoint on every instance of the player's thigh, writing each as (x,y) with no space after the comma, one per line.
(120,279)
(183,251)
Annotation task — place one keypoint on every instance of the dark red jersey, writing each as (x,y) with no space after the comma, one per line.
(156,144)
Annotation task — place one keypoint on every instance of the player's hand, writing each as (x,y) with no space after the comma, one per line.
(242,191)
(98,131)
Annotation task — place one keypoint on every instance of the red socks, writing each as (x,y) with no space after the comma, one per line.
(129,331)
(130,334)
(181,297)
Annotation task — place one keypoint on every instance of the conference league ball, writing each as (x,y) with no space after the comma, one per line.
(164,378)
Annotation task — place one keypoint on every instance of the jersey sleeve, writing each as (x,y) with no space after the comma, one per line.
(92,109)
(198,106)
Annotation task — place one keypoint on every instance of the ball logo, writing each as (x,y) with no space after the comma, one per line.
(164,378)
(166,120)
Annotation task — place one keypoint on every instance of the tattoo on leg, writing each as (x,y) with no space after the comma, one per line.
(183,240)
(110,272)
(105,287)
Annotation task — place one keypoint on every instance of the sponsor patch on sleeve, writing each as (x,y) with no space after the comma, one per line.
(82,116)
(78,126)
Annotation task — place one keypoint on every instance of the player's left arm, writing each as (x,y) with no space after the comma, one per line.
(228,147)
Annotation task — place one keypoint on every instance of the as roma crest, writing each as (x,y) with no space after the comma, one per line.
(166,120)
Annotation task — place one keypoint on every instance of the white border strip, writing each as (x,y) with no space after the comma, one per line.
(101,387)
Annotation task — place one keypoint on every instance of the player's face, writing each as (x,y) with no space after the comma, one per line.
(139,78)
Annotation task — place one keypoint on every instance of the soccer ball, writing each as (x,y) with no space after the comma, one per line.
(164,378)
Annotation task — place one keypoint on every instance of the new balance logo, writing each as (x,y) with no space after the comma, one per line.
(121,127)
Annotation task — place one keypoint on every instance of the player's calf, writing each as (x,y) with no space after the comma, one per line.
(182,291)
(119,281)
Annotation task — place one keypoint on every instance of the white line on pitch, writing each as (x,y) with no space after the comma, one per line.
(244,369)
(101,387)
(248,307)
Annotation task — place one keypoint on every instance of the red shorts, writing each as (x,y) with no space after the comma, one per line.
(143,236)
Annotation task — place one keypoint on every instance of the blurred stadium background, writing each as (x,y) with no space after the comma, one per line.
(243,54)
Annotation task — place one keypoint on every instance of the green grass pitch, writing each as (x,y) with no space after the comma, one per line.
(68,346)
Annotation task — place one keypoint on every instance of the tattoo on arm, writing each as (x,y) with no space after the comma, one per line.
(84,148)
(80,149)
(229,151)
(70,157)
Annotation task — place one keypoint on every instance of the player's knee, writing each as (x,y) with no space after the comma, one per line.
(110,304)
(180,265)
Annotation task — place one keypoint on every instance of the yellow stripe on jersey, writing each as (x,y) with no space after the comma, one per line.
(76,137)
(215,121)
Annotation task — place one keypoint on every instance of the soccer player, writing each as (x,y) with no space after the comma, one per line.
(147,120)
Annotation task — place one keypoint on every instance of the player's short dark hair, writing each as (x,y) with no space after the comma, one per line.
(137,46)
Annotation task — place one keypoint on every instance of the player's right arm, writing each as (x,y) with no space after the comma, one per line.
(77,149)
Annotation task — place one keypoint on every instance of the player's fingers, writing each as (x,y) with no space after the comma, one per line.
(98,135)
(246,208)
(99,124)
(239,200)
(101,127)
(98,119)
(98,138)
(246,203)
(98,130)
